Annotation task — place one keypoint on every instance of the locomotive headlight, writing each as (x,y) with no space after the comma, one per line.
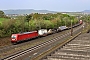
(13,39)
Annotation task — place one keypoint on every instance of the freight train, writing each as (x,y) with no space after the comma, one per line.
(42,32)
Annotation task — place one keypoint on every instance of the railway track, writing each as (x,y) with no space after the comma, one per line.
(77,49)
(12,48)
(18,54)
(38,46)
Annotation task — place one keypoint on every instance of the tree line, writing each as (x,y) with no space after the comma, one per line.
(34,22)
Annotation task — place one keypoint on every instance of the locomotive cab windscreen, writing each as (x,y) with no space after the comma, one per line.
(13,36)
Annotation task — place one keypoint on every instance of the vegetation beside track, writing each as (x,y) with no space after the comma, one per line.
(36,21)
(86,19)
(33,22)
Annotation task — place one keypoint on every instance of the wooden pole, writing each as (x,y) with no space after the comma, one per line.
(71,29)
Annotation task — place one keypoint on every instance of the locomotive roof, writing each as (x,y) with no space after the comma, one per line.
(25,32)
(28,32)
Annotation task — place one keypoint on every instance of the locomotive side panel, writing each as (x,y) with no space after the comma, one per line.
(24,36)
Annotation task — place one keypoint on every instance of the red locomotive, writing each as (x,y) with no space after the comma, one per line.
(27,35)
(81,21)
(23,36)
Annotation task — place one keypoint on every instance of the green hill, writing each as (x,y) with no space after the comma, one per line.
(2,19)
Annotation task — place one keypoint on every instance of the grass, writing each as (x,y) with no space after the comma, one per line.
(2,19)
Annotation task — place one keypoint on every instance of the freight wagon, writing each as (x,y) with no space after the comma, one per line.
(42,32)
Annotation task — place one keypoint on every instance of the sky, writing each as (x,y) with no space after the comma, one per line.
(52,5)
